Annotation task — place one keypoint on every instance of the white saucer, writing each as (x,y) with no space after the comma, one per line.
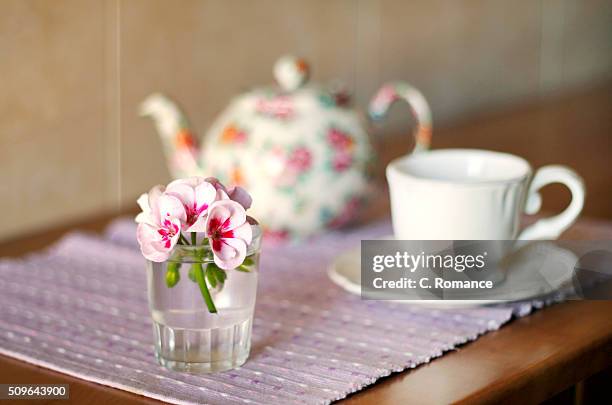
(554,264)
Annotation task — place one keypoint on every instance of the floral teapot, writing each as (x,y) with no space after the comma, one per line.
(301,152)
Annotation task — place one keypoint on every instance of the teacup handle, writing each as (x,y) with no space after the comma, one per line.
(551,228)
(391,92)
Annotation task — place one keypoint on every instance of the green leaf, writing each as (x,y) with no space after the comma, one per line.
(215,275)
(210,276)
(221,275)
(243,268)
(192,275)
(249,261)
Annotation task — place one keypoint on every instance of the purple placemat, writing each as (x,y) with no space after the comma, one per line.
(80,308)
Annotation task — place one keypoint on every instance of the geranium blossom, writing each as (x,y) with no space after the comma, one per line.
(229,233)
(196,195)
(160,229)
(195,206)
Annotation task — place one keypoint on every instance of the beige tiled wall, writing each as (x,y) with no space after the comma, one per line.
(72,74)
(53,106)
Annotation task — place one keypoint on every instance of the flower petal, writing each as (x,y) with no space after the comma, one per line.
(171,207)
(241,196)
(177,225)
(227,213)
(143,218)
(222,195)
(184,192)
(146,234)
(229,253)
(243,232)
(154,195)
(150,246)
(143,202)
(205,193)
(199,225)
(189,181)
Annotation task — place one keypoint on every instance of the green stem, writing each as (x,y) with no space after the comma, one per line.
(199,275)
(182,239)
(194,238)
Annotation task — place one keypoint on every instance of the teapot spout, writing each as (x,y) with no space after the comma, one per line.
(180,146)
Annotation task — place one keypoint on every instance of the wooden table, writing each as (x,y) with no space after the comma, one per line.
(562,352)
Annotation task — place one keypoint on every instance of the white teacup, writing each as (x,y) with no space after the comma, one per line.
(471,194)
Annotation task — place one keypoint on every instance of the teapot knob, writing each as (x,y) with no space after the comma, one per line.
(291,72)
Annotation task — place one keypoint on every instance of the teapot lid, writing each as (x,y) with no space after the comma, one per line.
(292,93)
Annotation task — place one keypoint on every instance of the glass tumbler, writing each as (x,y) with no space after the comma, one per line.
(188,337)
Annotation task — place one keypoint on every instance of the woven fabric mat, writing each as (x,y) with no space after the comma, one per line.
(80,307)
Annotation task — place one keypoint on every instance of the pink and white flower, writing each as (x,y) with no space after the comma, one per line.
(229,233)
(160,227)
(195,205)
(196,195)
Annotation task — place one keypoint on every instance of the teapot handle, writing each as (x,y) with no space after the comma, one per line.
(391,92)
